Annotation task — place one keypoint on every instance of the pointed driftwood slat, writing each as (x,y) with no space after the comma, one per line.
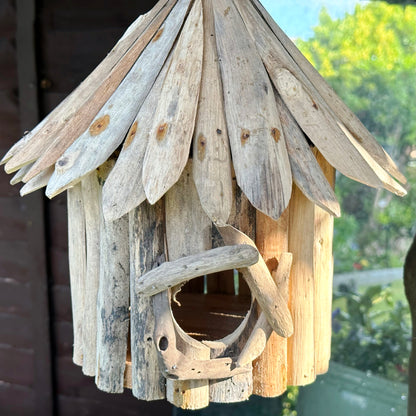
(270,369)
(211,148)
(174,120)
(123,190)
(77,254)
(20,174)
(38,182)
(113,305)
(147,250)
(306,172)
(257,142)
(188,231)
(112,122)
(55,126)
(345,115)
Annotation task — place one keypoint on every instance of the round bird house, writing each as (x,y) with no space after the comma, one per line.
(199,162)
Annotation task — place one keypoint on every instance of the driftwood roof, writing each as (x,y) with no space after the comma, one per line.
(217,78)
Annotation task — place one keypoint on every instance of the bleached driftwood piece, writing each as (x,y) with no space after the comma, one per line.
(177,272)
(323,270)
(36,142)
(345,115)
(211,148)
(112,122)
(270,369)
(38,182)
(188,231)
(113,305)
(260,339)
(20,174)
(301,350)
(258,147)
(77,253)
(306,172)
(147,250)
(174,118)
(262,286)
(123,191)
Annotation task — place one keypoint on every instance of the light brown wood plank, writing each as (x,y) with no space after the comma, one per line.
(38,181)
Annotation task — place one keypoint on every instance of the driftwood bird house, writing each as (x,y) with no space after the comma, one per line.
(199,162)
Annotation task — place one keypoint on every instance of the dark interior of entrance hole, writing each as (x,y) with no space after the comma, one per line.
(212,307)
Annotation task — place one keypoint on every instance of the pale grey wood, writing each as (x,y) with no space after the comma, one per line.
(123,190)
(211,148)
(346,116)
(188,231)
(113,305)
(257,142)
(306,171)
(177,272)
(112,122)
(38,182)
(20,174)
(174,119)
(77,256)
(147,250)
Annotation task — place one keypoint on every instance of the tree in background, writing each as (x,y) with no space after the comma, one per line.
(369,59)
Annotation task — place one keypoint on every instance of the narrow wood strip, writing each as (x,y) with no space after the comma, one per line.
(257,142)
(38,182)
(301,351)
(306,172)
(20,174)
(77,255)
(147,250)
(123,190)
(176,272)
(323,271)
(188,231)
(174,118)
(56,123)
(113,305)
(270,369)
(112,122)
(211,148)
(346,116)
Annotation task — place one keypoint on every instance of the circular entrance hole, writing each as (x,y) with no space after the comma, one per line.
(212,307)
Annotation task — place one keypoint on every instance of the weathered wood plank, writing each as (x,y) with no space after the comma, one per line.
(174,118)
(257,142)
(147,250)
(77,265)
(57,122)
(177,272)
(112,122)
(211,148)
(345,115)
(20,174)
(306,172)
(270,369)
(113,305)
(38,181)
(188,231)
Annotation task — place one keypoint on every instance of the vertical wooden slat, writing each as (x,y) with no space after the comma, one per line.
(29,116)
(270,369)
(147,250)
(323,270)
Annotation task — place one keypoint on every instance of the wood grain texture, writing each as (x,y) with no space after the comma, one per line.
(211,148)
(323,270)
(38,181)
(174,118)
(110,125)
(147,250)
(301,345)
(77,253)
(113,305)
(257,142)
(20,174)
(345,115)
(270,369)
(306,172)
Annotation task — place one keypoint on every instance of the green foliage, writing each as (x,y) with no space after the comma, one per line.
(372,333)
(369,59)
(289,401)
